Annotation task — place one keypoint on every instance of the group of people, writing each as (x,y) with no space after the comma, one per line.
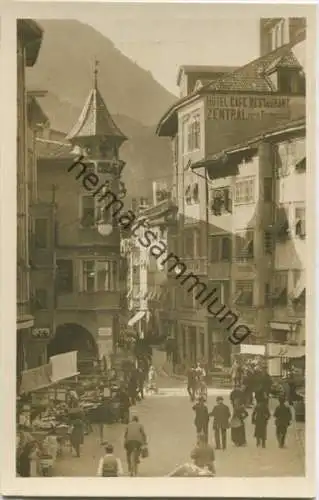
(254,385)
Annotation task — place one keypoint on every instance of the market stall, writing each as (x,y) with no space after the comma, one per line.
(42,410)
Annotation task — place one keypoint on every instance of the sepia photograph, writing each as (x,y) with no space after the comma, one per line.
(162,244)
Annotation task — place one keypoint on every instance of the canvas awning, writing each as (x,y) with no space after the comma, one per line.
(254,349)
(36,378)
(64,366)
(137,317)
(287,327)
(285,350)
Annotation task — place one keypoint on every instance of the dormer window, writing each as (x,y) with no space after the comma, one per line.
(291,81)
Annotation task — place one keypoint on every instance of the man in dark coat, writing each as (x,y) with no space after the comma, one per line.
(221,415)
(191,383)
(283,417)
(237,396)
(201,417)
(132,386)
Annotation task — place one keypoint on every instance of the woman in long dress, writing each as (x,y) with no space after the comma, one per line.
(237,424)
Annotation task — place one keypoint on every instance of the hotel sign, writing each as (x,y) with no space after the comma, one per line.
(232,119)
(240,107)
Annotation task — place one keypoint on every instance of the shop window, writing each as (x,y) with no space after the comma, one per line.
(268,189)
(244,293)
(300,222)
(280,288)
(88,211)
(221,201)
(245,191)
(41,233)
(64,276)
(245,246)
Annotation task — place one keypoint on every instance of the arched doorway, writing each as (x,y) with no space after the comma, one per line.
(74,337)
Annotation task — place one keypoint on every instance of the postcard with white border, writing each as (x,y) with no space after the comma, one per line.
(156,258)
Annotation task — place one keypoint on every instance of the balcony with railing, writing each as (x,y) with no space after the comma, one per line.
(92,301)
(197,265)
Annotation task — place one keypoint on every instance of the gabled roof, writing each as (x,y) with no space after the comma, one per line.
(95,119)
(252,76)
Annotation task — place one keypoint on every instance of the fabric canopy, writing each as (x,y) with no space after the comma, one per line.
(64,366)
(37,378)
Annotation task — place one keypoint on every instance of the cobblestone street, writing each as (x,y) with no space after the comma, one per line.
(168,420)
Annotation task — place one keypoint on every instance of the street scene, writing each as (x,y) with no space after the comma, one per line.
(161,236)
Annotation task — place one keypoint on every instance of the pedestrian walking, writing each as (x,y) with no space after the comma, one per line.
(152,380)
(124,401)
(201,417)
(260,417)
(283,418)
(77,435)
(191,383)
(237,424)
(140,382)
(132,386)
(237,396)
(134,439)
(221,415)
(109,464)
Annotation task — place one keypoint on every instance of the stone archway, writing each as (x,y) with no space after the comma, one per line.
(74,337)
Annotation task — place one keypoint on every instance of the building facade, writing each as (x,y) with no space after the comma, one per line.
(29,38)
(148,288)
(87,274)
(225,203)
(276,32)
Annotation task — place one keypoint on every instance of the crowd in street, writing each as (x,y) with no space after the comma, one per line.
(252,387)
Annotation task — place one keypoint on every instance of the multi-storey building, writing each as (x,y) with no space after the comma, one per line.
(147,278)
(223,216)
(86,275)
(29,38)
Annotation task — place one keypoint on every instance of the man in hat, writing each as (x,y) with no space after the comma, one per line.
(221,415)
(201,417)
(283,418)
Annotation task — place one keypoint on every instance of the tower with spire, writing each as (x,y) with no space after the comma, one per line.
(95,132)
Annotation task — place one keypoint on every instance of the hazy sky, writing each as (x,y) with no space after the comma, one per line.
(161,38)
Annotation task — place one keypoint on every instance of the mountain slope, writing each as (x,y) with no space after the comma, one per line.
(65,67)
(133,97)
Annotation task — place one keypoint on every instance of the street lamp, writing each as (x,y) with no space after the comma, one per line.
(104,229)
